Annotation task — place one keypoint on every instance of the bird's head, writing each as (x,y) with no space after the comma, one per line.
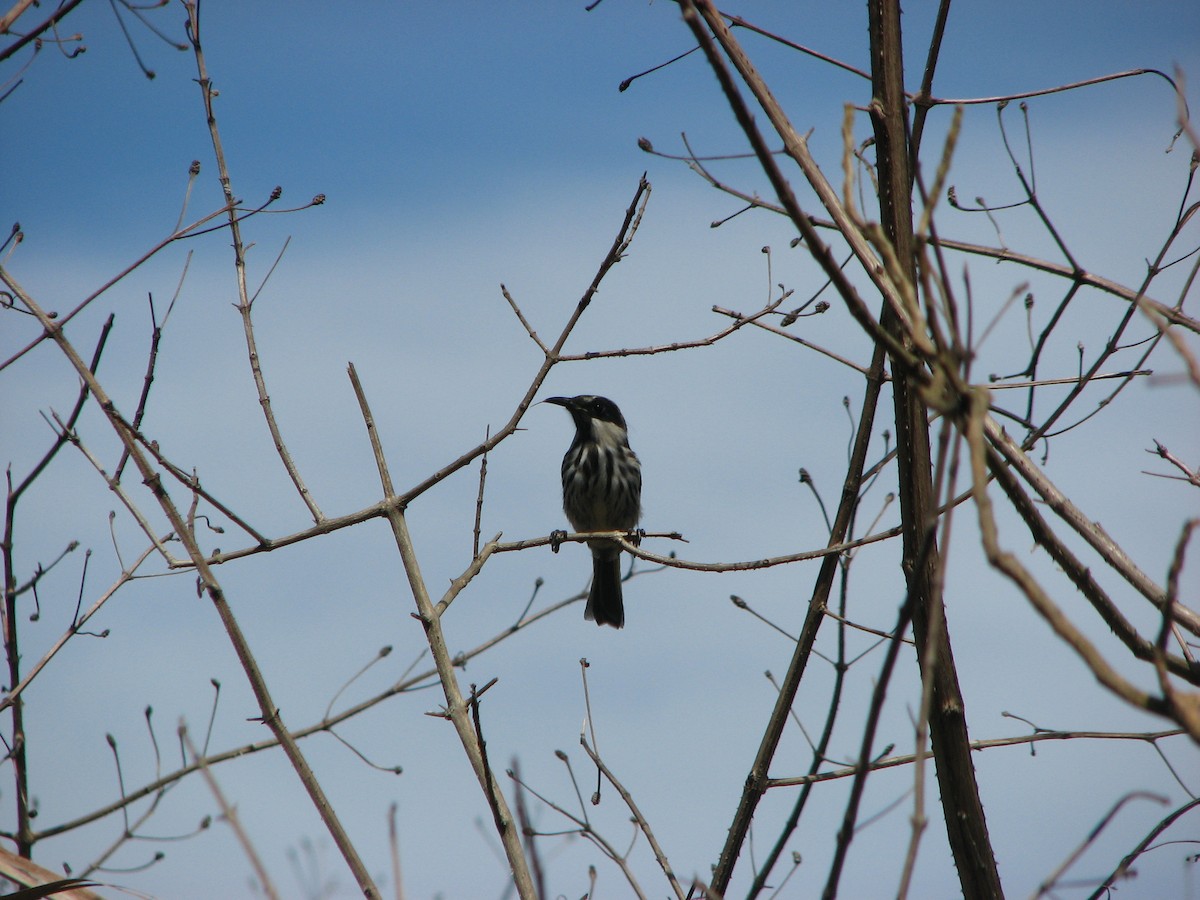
(588,408)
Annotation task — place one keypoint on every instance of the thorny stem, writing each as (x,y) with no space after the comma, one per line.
(962,806)
(756,780)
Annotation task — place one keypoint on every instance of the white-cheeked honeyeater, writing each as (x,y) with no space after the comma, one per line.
(602,491)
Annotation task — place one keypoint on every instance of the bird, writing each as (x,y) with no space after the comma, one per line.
(602,491)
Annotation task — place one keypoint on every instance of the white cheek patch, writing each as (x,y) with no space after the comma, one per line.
(608,434)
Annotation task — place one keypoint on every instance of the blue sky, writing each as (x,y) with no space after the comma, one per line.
(464,145)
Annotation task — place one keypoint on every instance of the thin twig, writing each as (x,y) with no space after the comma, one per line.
(244,303)
(888,762)
(77,623)
(659,855)
(229,813)
(1048,885)
(479,498)
(1104,890)
(458,710)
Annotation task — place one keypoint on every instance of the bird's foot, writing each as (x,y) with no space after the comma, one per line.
(556,538)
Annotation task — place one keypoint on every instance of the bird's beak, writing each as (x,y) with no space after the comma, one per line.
(559,401)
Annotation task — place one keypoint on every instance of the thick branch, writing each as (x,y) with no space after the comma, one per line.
(962,808)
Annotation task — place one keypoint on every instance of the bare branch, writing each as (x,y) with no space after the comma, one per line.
(458,710)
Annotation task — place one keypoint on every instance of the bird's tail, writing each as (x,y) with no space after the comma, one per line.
(604,604)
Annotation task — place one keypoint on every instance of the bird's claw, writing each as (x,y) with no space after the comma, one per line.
(635,537)
(556,538)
